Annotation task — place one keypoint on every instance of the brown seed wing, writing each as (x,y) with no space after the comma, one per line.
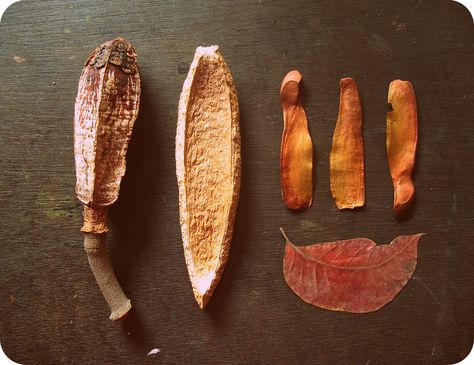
(402,137)
(208,168)
(352,275)
(296,151)
(347,152)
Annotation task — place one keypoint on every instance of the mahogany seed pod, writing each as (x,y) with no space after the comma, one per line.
(106,108)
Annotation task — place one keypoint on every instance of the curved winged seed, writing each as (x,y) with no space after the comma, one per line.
(296,151)
(402,137)
(362,278)
(207,168)
(106,108)
(347,153)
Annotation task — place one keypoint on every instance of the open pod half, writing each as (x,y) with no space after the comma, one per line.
(207,168)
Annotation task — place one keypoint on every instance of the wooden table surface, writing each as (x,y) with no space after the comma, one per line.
(52,310)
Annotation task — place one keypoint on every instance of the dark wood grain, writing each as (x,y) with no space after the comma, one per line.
(51,308)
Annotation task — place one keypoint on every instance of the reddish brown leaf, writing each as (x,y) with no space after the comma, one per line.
(354,275)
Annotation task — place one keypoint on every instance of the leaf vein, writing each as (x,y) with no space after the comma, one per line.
(325,264)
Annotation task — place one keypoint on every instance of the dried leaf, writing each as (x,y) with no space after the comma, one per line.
(347,153)
(354,275)
(296,153)
(208,168)
(402,136)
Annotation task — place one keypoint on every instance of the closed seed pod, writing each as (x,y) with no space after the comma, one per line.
(346,160)
(207,168)
(106,108)
(296,151)
(402,137)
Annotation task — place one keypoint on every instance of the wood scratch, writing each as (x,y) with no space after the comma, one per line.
(428,289)
(434,348)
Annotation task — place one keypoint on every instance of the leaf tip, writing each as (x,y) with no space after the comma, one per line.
(421,234)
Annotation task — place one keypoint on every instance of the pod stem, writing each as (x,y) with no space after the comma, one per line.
(94,245)
(95,233)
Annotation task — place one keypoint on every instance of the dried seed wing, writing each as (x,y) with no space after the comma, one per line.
(296,151)
(347,153)
(207,168)
(402,136)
